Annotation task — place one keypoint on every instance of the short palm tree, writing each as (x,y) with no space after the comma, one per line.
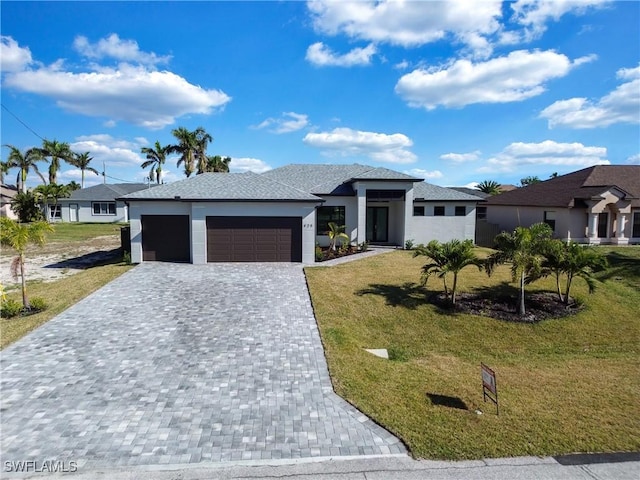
(18,236)
(217,164)
(490,187)
(450,257)
(156,157)
(335,233)
(49,194)
(523,249)
(56,151)
(24,162)
(82,161)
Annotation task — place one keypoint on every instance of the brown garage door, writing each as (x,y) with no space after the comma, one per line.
(254,239)
(165,238)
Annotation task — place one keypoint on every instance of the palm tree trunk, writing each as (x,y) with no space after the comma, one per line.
(453,288)
(522,309)
(82,181)
(25,300)
(567,289)
(558,287)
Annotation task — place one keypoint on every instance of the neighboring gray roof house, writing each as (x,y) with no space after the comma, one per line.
(96,204)
(7,192)
(599,204)
(471,191)
(281,215)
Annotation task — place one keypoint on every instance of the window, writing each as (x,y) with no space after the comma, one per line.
(635,232)
(104,208)
(324,215)
(461,211)
(550,219)
(418,210)
(55,212)
(481,213)
(438,211)
(603,225)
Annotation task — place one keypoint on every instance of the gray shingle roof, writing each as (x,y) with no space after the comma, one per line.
(247,186)
(105,192)
(323,179)
(429,192)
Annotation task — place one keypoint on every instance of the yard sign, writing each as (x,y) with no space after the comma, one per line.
(489,386)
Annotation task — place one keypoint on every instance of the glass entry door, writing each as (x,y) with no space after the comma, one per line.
(377,224)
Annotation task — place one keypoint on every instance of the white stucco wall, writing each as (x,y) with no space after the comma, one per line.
(199,211)
(350,214)
(445,228)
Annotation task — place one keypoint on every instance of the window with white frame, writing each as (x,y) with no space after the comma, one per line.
(104,208)
(55,212)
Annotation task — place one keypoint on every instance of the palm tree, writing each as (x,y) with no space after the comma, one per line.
(187,148)
(217,164)
(56,151)
(4,169)
(24,162)
(523,249)
(26,207)
(450,257)
(572,260)
(156,157)
(82,161)
(490,187)
(335,233)
(51,192)
(17,236)
(530,180)
(203,139)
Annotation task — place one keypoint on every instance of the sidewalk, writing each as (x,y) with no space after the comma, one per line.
(600,467)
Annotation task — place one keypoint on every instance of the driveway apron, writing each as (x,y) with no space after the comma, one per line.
(175,364)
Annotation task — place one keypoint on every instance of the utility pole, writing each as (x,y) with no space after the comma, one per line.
(104,174)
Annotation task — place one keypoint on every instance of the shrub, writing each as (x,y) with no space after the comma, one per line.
(364,246)
(408,245)
(126,258)
(398,354)
(38,304)
(10,308)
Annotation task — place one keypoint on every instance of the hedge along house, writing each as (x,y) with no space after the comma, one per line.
(280,215)
(595,205)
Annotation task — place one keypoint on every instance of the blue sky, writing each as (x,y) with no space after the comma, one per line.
(454,92)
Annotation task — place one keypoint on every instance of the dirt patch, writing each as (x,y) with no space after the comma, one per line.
(539,306)
(60,259)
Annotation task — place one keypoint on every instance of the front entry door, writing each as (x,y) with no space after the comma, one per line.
(73,212)
(377,224)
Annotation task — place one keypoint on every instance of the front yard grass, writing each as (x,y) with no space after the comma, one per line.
(565,385)
(72,232)
(59,296)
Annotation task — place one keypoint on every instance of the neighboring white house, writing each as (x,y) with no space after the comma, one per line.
(282,214)
(595,205)
(95,204)
(7,192)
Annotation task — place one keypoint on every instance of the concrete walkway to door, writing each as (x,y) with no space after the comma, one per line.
(176,364)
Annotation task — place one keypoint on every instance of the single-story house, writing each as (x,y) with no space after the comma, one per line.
(596,205)
(97,204)
(281,215)
(7,192)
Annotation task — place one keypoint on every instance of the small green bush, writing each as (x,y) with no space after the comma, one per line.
(408,245)
(10,308)
(126,258)
(38,304)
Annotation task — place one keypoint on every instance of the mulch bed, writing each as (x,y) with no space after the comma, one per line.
(539,306)
(328,254)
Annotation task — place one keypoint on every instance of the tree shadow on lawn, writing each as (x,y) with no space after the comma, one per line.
(408,295)
(621,267)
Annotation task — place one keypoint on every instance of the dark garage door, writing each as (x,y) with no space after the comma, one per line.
(165,238)
(254,239)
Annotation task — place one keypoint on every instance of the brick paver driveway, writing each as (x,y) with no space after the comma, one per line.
(175,363)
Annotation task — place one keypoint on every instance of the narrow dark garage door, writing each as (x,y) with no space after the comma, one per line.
(165,238)
(254,239)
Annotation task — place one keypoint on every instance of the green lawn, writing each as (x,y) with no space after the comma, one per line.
(566,385)
(71,232)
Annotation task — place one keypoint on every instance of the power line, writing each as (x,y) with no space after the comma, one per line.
(24,124)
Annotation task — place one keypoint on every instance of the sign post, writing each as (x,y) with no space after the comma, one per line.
(489,385)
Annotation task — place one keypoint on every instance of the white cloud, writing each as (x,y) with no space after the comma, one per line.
(422,173)
(526,157)
(534,14)
(461,157)
(321,55)
(622,105)
(516,77)
(90,178)
(380,147)
(408,23)
(247,164)
(121,50)
(403,65)
(111,151)
(634,159)
(13,58)
(288,122)
(136,95)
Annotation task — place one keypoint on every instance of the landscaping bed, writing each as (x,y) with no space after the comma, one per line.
(326,253)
